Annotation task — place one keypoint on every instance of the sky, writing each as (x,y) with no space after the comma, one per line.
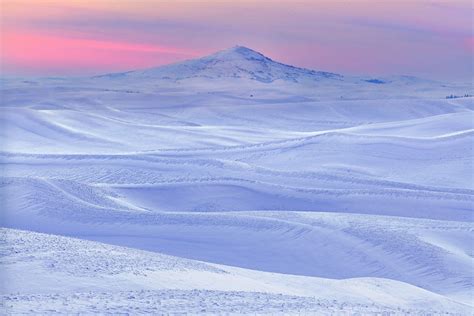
(427,38)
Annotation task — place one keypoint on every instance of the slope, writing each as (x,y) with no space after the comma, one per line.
(75,276)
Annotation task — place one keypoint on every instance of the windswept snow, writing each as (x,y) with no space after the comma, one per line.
(72,275)
(296,191)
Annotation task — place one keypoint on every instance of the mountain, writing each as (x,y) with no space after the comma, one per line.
(240,64)
(235,62)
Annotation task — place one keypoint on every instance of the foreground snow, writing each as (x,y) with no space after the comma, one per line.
(47,274)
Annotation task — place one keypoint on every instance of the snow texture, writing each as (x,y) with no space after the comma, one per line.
(234,184)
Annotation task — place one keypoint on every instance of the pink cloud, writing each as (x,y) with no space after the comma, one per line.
(36,51)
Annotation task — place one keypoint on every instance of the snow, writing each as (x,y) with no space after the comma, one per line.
(82,276)
(234,184)
(237,62)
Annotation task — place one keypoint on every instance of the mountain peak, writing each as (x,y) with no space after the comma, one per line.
(239,52)
(241,49)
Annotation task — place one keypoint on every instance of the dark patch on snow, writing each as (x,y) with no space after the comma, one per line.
(375,81)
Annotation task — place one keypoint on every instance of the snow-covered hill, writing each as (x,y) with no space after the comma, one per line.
(64,275)
(248,73)
(299,191)
(237,62)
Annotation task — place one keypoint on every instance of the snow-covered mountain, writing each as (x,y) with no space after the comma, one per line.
(241,69)
(236,62)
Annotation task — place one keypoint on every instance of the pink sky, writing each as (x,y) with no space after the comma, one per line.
(429,38)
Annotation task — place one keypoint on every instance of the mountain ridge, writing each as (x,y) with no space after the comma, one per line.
(237,62)
(242,65)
